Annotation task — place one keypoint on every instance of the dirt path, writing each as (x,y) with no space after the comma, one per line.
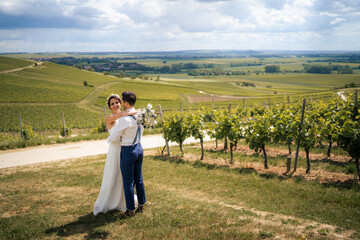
(320,175)
(48,153)
(19,69)
(88,103)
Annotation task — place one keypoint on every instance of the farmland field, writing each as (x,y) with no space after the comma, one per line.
(7,63)
(63,87)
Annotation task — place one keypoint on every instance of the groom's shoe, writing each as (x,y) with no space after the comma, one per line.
(140,209)
(129,213)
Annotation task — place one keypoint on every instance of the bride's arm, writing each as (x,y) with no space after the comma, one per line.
(111,118)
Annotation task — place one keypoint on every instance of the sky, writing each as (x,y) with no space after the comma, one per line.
(173,25)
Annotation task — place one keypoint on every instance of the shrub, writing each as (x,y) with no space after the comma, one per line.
(100,127)
(67,131)
(28,132)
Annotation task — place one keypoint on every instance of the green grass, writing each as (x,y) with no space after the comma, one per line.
(168,95)
(49,83)
(46,87)
(45,117)
(7,63)
(185,201)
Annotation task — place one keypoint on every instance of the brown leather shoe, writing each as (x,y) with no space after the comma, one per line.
(140,209)
(129,213)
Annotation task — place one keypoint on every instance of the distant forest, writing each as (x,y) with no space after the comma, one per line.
(120,65)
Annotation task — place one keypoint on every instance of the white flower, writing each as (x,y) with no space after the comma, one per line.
(146,117)
(272,129)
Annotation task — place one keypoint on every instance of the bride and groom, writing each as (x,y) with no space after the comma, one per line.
(123,166)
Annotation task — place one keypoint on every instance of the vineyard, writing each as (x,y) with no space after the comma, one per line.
(11,63)
(41,94)
(307,125)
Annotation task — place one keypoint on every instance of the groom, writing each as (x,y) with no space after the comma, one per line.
(131,156)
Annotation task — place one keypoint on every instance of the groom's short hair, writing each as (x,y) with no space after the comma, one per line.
(129,97)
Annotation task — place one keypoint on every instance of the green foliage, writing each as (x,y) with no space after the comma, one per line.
(196,126)
(23,88)
(7,63)
(317,68)
(221,126)
(272,68)
(349,136)
(310,132)
(285,119)
(66,132)
(259,131)
(176,129)
(100,127)
(45,117)
(28,132)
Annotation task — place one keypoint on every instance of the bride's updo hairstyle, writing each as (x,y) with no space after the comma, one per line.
(111,96)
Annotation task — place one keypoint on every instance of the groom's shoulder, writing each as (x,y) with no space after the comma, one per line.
(125,119)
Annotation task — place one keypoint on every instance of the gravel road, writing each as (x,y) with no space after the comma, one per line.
(48,153)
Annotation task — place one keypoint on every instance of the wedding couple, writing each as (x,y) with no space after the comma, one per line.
(123,166)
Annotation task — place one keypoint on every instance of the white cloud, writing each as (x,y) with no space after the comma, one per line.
(114,25)
(337,20)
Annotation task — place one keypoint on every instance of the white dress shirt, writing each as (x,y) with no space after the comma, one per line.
(125,128)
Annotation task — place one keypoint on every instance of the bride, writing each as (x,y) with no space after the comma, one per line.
(111,196)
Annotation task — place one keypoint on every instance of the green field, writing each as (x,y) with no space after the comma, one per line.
(44,89)
(185,200)
(7,63)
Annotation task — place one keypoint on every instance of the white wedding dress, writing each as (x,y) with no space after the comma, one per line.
(111,196)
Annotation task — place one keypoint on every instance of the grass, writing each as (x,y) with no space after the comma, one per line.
(45,117)
(168,94)
(39,94)
(52,137)
(186,200)
(7,63)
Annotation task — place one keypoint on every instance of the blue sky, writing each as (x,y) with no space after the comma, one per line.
(170,25)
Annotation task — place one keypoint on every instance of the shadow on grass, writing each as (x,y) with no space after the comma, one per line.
(87,224)
(332,162)
(350,184)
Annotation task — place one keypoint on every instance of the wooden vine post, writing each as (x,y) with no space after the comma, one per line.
(63,122)
(105,118)
(298,141)
(21,130)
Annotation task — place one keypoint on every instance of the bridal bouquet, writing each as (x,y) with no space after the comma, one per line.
(147,117)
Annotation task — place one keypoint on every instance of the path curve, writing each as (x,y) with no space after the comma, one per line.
(48,153)
(19,69)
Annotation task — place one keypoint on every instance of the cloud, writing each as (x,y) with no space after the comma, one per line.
(337,20)
(175,25)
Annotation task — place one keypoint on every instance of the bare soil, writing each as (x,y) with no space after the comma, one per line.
(207,98)
(320,175)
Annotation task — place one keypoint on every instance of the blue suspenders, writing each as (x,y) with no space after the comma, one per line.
(138,132)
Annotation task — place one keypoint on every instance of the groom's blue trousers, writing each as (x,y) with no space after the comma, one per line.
(131,160)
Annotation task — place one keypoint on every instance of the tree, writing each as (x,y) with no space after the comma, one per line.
(317,68)
(272,68)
